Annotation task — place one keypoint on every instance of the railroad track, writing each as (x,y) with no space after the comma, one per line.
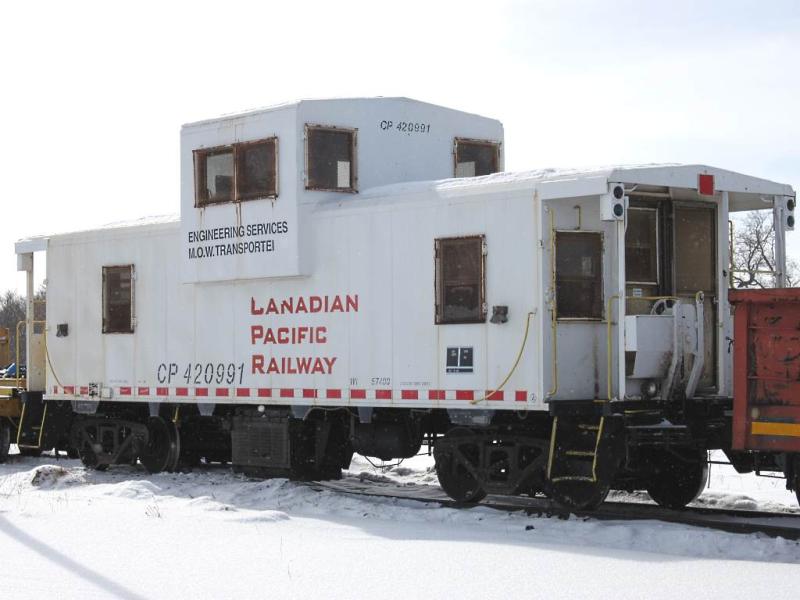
(772,524)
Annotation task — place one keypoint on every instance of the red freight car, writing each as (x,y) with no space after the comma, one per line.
(766,406)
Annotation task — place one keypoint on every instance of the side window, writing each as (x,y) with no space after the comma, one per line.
(330,159)
(213,175)
(641,246)
(239,172)
(257,169)
(579,275)
(460,280)
(118,299)
(476,157)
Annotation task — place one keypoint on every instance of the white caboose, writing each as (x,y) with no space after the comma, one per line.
(359,274)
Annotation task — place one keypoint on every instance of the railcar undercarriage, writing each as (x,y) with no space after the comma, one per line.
(574,459)
(574,456)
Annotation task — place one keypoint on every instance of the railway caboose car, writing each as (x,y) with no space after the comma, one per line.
(361,276)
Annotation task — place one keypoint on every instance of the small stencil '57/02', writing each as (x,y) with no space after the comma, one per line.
(460,360)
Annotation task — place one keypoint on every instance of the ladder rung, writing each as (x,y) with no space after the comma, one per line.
(580,453)
(588,427)
(573,478)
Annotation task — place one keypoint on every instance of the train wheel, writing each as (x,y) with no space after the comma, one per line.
(5,441)
(678,479)
(89,458)
(162,451)
(452,468)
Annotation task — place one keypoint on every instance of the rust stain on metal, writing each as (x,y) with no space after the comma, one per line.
(766,365)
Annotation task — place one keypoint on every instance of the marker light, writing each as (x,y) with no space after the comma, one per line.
(705,184)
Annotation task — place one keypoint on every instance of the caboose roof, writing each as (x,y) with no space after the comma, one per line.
(745,192)
(294,104)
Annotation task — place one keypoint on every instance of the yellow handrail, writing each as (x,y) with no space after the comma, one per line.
(553,306)
(597,449)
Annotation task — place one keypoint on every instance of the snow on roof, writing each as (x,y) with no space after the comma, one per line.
(657,174)
(38,242)
(150,220)
(515,179)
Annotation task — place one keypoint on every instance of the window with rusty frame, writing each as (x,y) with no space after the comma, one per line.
(641,246)
(214,171)
(460,280)
(238,172)
(118,314)
(472,158)
(330,158)
(256,173)
(579,275)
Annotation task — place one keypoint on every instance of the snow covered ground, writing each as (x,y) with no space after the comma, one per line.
(70,533)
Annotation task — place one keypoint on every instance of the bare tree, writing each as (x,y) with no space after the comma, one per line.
(12,311)
(754,253)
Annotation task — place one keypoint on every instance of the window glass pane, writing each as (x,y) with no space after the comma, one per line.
(641,247)
(695,241)
(218,176)
(579,275)
(475,158)
(256,170)
(117,299)
(330,159)
(459,280)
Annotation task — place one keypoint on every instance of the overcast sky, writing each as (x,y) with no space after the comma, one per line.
(93,94)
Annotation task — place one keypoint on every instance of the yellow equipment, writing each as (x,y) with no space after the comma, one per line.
(10,406)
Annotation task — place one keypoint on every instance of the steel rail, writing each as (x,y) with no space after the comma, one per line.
(773,524)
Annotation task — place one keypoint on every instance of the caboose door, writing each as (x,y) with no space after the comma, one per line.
(694,270)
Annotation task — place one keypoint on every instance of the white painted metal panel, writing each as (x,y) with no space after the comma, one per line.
(372,290)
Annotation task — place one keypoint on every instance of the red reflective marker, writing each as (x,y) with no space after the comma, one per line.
(705,184)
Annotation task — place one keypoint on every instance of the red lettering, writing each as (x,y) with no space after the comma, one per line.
(269,338)
(352,303)
(253,309)
(304,365)
(283,335)
(301,305)
(314,304)
(257,363)
(273,367)
(319,335)
(256,332)
(337,305)
(330,362)
(286,306)
(272,308)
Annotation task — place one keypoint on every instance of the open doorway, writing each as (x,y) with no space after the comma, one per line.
(671,250)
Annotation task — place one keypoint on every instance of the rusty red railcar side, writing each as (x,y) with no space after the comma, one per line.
(766,377)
